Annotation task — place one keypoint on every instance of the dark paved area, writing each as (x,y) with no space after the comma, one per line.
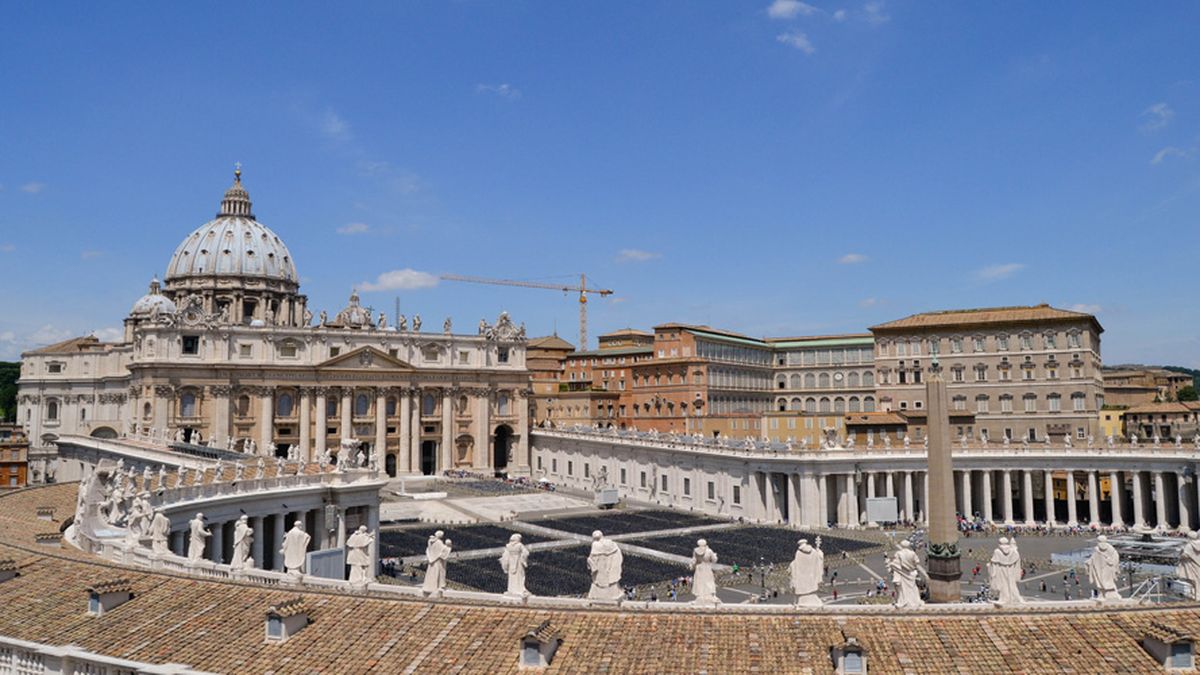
(561,572)
(625,522)
(747,546)
(406,542)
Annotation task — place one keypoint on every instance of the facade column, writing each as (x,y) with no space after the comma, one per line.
(852,500)
(1048,497)
(220,403)
(968,510)
(1006,493)
(404,454)
(256,545)
(1072,514)
(373,527)
(1093,499)
(322,425)
(216,543)
(823,499)
(889,484)
(380,425)
(483,432)
(521,451)
(276,540)
(164,398)
(925,497)
(415,449)
(987,496)
(1114,496)
(1027,494)
(1185,517)
(448,429)
(266,419)
(772,505)
(305,452)
(870,478)
(1160,502)
(1139,519)
(346,429)
(794,500)
(908,498)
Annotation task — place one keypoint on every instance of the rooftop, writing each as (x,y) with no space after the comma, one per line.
(962,318)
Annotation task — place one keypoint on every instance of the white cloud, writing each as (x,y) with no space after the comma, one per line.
(796,39)
(401,280)
(1157,116)
(789,9)
(398,180)
(998,272)
(1169,151)
(873,11)
(852,258)
(504,90)
(7,248)
(88,255)
(839,15)
(867,303)
(335,127)
(33,187)
(1085,308)
(109,334)
(354,228)
(636,255)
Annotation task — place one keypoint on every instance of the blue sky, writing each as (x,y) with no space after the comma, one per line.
(772,168)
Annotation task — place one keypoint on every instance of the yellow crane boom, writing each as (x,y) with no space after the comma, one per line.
(582,289)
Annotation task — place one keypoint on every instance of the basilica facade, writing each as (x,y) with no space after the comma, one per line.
(225,352)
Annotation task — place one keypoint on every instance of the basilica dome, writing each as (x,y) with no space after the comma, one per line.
(233,245)
(153,299)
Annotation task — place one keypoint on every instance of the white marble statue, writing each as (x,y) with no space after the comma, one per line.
(197,438)
(324,317)
(1103,568)
(887,442)
(402,323)
(514,561)
(181,476)
(1067,440)
(907,442)
(604,563)
(1133,440)
(1179,440)
(704,581)
(807,570)
(160,533)
(243,536)
(140,513)
(416,323)
(1004,571)
(1189,564)
(358,555)
(295,545)
(437,553)
(260,469)
(446,326)
(197,533)
(162,476)
(382,324)
(905,566)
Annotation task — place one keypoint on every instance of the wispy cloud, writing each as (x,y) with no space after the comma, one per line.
(504,90)
(852,259)
(395,178)
(867,303)
(1169,151)
(873,13)
(7,248)
(998,272)
(1085,308)
(626,255)
(795,38)
(1156,117)
(401,280)
(335,127)
(90,254)
(354,228)
(33,187)
(839,15)
(789,9)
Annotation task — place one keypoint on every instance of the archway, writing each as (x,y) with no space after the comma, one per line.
(428,458)
(389,465)
(104,432)
(500,448)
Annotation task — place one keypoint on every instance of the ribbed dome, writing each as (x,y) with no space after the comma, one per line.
(235,244)
(153,298)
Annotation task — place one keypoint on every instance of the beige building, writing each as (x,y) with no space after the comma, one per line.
(226,351)
(1024,372)
(1135,385)
(1165,421)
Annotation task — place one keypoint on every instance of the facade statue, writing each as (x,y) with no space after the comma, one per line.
(807,570)
(1004,571)
(197,533)
(907,442)
(358,555)
(887,442)
(446,326)
(181,476)
(140,513)
(295,545)
(604,563)
(437,553)
(905,565)
(324,317)
(308,317)
(402,323)
(1133,439)
(162,476)
(1179,440)
(1111,441)
(514,561)
(704,581)
(1067,439)
(269,316)
(160,533)
(260,469)
(1189,564)
(1103,568)
(243,535)
(382,321)
(197,439)
(483,326)
(416,323)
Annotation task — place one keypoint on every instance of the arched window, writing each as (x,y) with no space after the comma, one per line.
(823,381)
(797,405)
(839,405)
(868,379)
(810,381)
(810,405)
(852,379)
(146,409)
(283,407)
(855,404)
(795,381)
(825,405)
(502,404)
(362,405)
(52,409)
(187,405)
(331,407)
(782,405)
(428,404)
(391,406)
(869,404)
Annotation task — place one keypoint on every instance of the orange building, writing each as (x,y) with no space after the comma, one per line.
(14,456)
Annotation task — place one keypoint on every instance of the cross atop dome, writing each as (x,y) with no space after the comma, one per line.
(236,203)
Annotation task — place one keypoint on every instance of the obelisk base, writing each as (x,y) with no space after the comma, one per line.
(945,573)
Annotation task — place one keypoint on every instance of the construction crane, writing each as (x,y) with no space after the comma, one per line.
(582,289)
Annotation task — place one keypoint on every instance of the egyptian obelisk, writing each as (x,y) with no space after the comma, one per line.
(945,568)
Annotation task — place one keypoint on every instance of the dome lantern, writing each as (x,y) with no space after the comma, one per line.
(236,203)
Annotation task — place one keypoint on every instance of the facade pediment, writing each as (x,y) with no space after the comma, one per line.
(365,358)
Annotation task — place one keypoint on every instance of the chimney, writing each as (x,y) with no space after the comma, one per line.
(285,620)
(1173,648)
(538,646)
(8,569)
(51,539)
(45,513)
(108,595)
(849,658)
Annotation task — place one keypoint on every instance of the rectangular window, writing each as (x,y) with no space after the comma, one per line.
(737,494)
(587,470)
(977,344)
(958,374)
(1004,375)
(1078,402)
(54,367)
(956,345)
(1002,343)
(570,468)
(622,475)
(288,349)
(1006,405)
(981,374)
(1026,342)
(712,490)
(502,355)
(981,405)
(1055,403)
(1030,404)
(553,466)
(687,487)
(1049,340)
(664,483)
(245,351)
(1074,341)
(191,344)
(334,351)
(642,478)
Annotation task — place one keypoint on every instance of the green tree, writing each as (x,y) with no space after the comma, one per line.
(9,372)
(1188,393)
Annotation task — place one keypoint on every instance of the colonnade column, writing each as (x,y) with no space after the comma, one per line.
(276,540)
(987,495)
(1093,499)
(1027,496)
(1006,492)
(482,431)
(793,485)
(322,422)
(823,499)
(925,497)
(768,497)
(967,508)
(1114,496)
(414,450)
(852,502)
(448,429)
(256,545)
(220,402)
(1185,516)
(266,419)
(346,429)
(1160,501)
(1048,496)
(305,452)
(405,432)
(870,478)
(380,426)
(521,452)
(1072,514)
(216,543)
(1139,519)
(908,497)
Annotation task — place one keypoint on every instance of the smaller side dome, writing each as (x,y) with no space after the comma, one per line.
(153,299)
